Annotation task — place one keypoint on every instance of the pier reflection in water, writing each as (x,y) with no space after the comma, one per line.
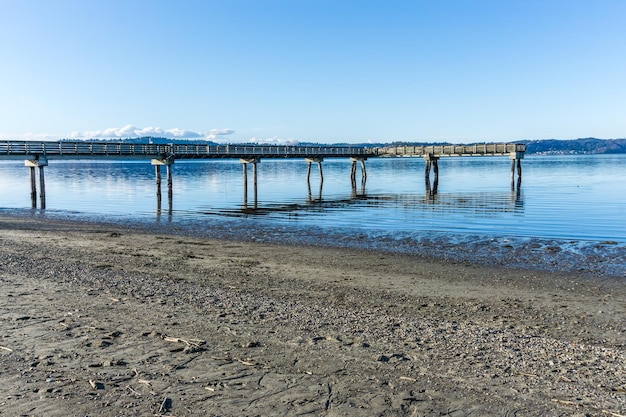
(418,207)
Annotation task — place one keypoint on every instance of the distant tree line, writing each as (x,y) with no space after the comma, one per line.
(576,146)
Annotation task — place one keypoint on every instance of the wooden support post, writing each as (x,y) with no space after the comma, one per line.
(363,171)
(245,183)
(170,192)
(40,162)
(42,187)
(512,170)
(353,172)
(319,167)
(308,174)
(354,160)
(255,183)
(244,163)
(33,187)
(516,160)
(432,161)
(157,172)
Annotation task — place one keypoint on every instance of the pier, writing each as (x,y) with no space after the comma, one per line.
(37,154)
(432,154)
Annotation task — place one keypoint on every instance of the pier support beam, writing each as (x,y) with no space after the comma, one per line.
(516,161)
(432,161)
(158,163)
(33,186)
(39,162)
(353,168)
(244,164)
(354,160)
(319,161)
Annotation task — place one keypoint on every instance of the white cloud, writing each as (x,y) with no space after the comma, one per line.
(216,133)
(274,141)
(30,136)
(130,131)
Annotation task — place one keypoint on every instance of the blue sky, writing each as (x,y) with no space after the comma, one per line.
(313,70)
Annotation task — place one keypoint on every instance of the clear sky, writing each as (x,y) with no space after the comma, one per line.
(313,70)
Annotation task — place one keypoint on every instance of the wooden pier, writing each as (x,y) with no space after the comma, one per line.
(37,155)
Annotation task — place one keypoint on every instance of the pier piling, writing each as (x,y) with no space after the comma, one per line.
(516,161)
(432,161)
(319,161)
(157,170)
(42,188)
(319,168)
(170,192)
(33,187)
(244,164)
(32,164)
(353,170)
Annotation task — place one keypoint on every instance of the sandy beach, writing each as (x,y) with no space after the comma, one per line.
(108,321)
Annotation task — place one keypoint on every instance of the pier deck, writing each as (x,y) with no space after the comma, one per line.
(89,150)
(487,149)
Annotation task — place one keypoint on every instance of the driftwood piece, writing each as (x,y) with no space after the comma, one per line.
(192,345)
(166,405)
(96,385)
(135,393)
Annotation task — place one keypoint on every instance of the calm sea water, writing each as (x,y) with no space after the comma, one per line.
(577,201)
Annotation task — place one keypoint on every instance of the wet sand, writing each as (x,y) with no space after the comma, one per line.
(108,321)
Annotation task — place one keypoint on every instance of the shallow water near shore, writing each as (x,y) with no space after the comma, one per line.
(568,214)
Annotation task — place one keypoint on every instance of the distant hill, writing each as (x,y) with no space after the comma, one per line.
(575,146)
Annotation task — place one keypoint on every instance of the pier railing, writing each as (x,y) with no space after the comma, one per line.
(490,149)
(183,151)
(82,149)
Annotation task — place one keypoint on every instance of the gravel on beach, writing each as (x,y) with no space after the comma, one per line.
(109,321)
